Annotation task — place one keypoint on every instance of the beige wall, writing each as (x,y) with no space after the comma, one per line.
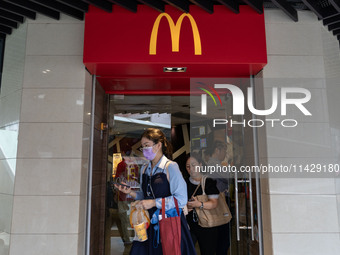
(304,212)
(49,204)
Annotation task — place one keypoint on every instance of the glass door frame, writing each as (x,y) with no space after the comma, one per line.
(169,93)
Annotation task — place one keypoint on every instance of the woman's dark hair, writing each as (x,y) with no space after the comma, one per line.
(156,135)
(197,156)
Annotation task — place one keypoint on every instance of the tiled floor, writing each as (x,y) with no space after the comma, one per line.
(117,247)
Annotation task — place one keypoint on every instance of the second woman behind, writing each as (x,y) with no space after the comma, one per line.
(206,237)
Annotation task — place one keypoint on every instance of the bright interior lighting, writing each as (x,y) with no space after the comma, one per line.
(175,69)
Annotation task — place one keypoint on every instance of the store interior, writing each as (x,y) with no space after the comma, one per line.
(179,117)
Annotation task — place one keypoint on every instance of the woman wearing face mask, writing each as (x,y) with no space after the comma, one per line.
(155,186)
(206,237)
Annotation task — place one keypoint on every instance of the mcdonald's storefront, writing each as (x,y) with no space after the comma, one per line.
(76,96)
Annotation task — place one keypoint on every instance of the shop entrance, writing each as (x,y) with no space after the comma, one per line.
(146,61)
(130,115)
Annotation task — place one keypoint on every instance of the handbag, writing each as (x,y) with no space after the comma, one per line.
(213,217)
(170,231)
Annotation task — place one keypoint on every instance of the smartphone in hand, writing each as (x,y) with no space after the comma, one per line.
(121,184)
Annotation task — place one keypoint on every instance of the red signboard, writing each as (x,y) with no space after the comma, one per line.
(134,45)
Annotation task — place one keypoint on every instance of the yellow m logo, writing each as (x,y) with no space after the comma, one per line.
(175,32)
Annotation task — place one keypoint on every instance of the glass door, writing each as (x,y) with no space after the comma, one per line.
(129,117)
(180,118)
(212,120)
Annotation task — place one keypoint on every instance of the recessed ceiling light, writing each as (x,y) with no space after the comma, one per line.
(175,69)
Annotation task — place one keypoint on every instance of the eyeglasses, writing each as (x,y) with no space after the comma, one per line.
(142,148)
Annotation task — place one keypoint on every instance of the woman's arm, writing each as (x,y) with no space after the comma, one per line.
(213,194)
(126,190)
(210,204)
(137,195)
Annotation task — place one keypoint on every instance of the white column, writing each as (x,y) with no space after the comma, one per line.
(10,105)
(50,183)
(303,211)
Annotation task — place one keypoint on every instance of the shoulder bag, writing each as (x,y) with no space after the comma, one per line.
(170,227)
(170,230)
(218,216)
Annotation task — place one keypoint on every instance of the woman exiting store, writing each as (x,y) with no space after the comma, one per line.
(155,185)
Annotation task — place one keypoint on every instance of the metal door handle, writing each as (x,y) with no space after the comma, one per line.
(237,210)
(238,227)
(251,207)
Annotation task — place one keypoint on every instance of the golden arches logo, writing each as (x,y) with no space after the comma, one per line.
(175,30)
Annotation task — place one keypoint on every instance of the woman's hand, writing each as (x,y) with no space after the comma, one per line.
(123,189)
(147,203)
(194,203)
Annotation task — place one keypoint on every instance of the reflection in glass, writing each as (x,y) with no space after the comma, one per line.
(220,136)
(129,116)
(181,120)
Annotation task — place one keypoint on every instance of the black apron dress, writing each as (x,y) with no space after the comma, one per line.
(157,186)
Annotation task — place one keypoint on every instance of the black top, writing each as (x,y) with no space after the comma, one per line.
(210,189)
